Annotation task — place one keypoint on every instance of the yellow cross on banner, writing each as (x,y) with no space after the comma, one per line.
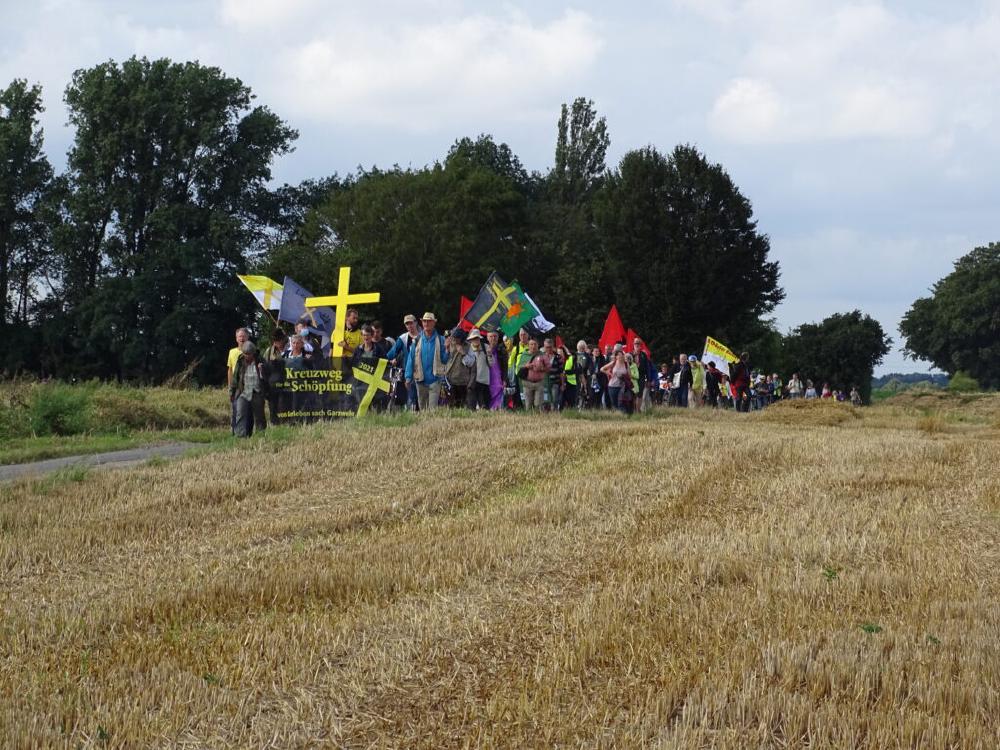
(375,384)
(501,295)
(340,302)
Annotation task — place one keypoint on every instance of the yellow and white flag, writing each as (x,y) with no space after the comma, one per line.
(716,351)
(266,291)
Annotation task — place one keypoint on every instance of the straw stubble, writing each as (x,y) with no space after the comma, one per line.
(797,580)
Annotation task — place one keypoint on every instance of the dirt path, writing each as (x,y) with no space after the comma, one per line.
(112,459)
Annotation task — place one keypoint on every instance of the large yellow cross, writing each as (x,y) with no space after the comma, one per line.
(375,384)
(340,302)
(500,295)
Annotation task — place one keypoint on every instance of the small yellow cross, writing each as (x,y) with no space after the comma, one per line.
(375,384)
(502,296)
(340,302)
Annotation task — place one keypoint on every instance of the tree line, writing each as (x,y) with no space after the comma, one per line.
(123,267)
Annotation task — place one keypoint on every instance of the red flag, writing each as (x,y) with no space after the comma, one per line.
(559,342)
(631,336)
(613,331)
(464,305)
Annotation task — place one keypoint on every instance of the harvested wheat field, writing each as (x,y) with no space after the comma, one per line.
(810,576)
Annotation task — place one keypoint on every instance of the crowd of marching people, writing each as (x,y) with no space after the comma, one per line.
(486,370)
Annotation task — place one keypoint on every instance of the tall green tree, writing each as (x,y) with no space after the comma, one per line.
(684,256)
(581,148)
(570,261)
(957,328)
(166,196)
(843,351)
(25,182)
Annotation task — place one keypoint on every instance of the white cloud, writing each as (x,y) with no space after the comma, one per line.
(854,70)
(265,15)
(748,107)
(419,74)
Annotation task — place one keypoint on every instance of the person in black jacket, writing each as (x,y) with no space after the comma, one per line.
(675,367)
(599,387)
(684,382)
(274,357)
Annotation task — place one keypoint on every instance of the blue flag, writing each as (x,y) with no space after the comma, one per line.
(294,310)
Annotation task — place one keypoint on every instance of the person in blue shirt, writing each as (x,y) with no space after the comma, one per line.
(425,363)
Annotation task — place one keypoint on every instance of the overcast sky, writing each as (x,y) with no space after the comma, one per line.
(864,133)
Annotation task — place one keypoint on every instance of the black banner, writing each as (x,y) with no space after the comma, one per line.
(332,389)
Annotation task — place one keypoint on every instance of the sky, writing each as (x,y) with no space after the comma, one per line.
(864,133)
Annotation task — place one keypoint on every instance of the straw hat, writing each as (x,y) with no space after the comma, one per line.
(429,316)
(474,334)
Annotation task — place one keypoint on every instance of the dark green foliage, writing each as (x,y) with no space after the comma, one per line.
(957,328)
(498,158)
(683,252)
(25,183)
(420,237)
(843,351)
(581,147)
(570,269)
(165,197)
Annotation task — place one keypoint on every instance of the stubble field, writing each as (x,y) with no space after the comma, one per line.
(810,576)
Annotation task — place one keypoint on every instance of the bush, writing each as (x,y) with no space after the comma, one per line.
(962,383)
(60,410)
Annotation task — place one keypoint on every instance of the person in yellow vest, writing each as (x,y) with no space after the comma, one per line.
(352,332)
(514,355)
(569,375)
(697,381)
(242,336)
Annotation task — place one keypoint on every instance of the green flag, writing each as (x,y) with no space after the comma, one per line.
(519,312)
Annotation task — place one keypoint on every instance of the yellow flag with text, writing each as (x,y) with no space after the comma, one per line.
(716,351)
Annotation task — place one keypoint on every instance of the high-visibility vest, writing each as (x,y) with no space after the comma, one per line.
(570,369)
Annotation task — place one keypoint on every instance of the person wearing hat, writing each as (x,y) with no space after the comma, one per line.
(458,371)
(248,391)
(425,363)
(478,358)
(398,354)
